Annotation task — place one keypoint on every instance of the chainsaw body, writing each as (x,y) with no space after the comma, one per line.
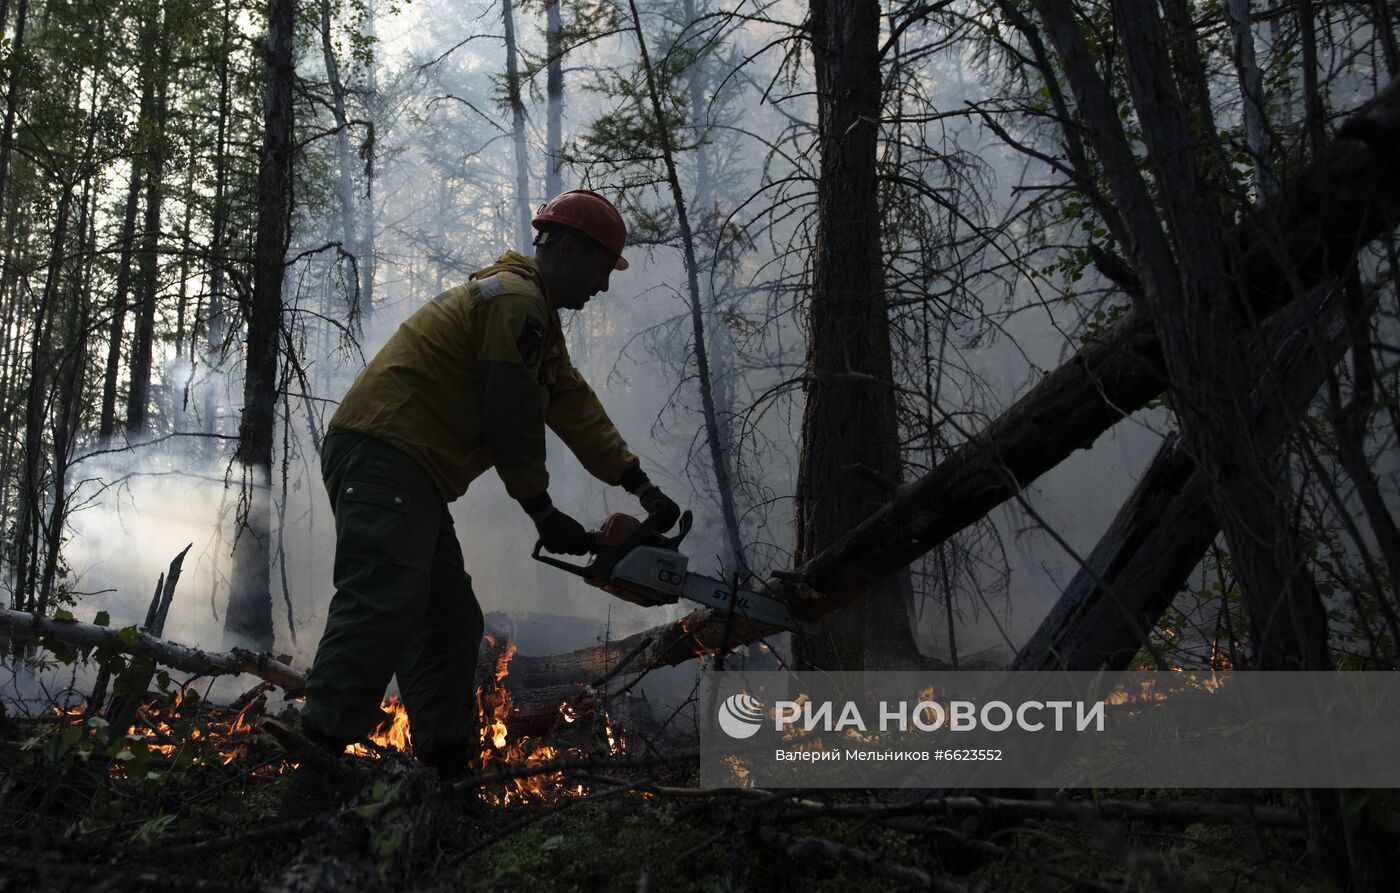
(636,564)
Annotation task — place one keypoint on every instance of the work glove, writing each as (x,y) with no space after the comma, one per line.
(656,504)
(659,506)
(562,534)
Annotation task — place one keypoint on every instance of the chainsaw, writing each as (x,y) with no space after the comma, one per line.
(637,564)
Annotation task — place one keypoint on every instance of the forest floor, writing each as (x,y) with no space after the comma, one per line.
(191,807)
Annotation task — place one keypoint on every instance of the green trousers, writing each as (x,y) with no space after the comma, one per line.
(403,604)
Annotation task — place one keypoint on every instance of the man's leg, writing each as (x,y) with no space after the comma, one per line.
(387,514)
(437,675)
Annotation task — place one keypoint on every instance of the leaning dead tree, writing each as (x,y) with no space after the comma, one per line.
(1166,524)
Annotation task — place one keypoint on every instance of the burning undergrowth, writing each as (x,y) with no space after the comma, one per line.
(163,732)
(507,737)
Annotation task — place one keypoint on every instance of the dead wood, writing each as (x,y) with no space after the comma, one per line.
(1166,524)
(122,711)
(22,625)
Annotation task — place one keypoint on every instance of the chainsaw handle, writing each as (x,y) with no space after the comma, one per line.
(581,570)
(606,557)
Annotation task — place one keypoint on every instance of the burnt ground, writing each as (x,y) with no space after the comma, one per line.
(190,804)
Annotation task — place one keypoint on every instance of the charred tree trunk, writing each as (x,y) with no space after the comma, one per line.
(849,463)
(249,616)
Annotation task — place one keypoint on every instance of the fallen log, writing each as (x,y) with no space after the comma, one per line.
(24,625)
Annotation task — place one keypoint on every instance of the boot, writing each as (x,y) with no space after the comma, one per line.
(452,762)
(320,784)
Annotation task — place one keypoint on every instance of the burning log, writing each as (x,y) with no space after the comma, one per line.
(24,625)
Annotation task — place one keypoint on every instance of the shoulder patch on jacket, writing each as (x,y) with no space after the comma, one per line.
(491,287)
(529,343)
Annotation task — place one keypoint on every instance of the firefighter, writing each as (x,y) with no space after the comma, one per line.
(467,383)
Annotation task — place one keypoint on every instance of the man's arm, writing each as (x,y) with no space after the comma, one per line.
(509,331)
(577,416)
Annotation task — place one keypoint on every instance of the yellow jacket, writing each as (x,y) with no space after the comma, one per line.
(471,379)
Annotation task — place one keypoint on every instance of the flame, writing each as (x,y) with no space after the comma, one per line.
(392,733)
(699,647)
(182,724)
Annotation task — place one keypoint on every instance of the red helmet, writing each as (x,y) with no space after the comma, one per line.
(591,214)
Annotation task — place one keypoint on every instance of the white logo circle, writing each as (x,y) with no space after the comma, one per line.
(740,716)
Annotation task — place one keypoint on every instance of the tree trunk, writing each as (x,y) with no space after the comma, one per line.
(1252,90)
(849,463)
(186,250)
(718,346)
(1202,330)
(1313,122)
(22,624)
(117,330)
(7,135)
(369,220)
(1318,221)
(554,95)
(342,142)
(517,122)
(156,53)
(1189,283)
(71,372)
(718,460)
(38,400)
(249,616)
(214,314)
